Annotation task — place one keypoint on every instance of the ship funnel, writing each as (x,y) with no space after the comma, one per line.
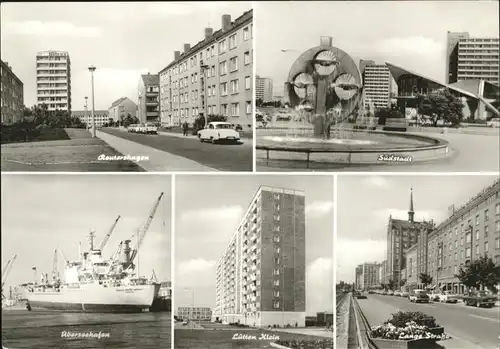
(126,252)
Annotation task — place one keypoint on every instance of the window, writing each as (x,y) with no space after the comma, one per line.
(212,70)
(455,270)
(232,41)
(477,234)
(277,260)
(277,250)
(222,46)
(477,249)
(223,89)
(276,217)
(235,86)
(277,238)
(486,246)
(276,283)
(486,230)
(233,64)
(497,226)
(456,243)
(497,209)
(276,293)
(456,256)
(486,215)
(223,68)
(246,33)
(276,272)
(277,228)
(477,219)
(461,241)
(248,83)
(212,50)
(224,110)
(497,243)
(246,58)
(249,108)
(235,109)
(276,305)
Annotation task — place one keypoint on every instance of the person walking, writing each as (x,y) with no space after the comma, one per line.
(185,128)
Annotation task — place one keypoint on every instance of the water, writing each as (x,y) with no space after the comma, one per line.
(24,329)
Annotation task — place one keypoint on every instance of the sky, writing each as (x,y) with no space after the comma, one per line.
(43,212)
(407,33)
(208,210)
(366,201)
(123,40)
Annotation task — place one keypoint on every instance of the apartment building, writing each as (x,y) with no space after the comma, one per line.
(472,58)
(12,95)
(358,276)
(214,77)
(377,84)
(401,235)
(149,99)
(85,116)
(53,80)
(382,272)
(263,89)
(260,278)
(417,256)
(194,313)
(469,232)
(122,107)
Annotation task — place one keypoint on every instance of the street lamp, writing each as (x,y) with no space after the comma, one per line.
(92,70)
(86,113)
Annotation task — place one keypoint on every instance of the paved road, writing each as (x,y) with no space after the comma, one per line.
(472,327)
(471,153)
(225,157)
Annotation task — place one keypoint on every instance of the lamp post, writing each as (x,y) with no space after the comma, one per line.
(86,113)
(92,70)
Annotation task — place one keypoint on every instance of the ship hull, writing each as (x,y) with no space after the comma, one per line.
(95,299)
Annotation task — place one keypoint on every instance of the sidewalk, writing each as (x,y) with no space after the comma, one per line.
(158,160)
(245,141)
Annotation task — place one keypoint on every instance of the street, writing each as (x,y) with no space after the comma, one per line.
(471,327)
(224,157)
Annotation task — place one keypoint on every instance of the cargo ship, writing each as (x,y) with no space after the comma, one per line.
(93,284)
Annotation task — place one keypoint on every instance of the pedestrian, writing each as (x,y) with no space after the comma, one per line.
(185,128)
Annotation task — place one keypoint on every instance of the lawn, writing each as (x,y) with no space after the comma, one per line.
(225,339)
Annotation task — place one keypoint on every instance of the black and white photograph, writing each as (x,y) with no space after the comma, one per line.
(377,86)
(127,86)
(253,262)
(418,261)
(86,261)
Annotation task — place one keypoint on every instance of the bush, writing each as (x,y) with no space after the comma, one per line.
(307,344)
(401,318)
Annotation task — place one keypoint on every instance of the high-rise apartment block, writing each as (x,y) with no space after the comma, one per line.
(260,278)
(263,89)
(194,313)
(367,276)
(53,80)
(214,77)
(377,84)
(149,103)
(472,58)
(12,95)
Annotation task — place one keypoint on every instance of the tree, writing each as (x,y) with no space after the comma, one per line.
(480,273)
(258,102)
(199,122)
(111,122)
(442,105)
(391,284)
(425,279)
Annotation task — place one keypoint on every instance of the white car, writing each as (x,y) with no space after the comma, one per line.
(433,296)
(150,129)
(448,297)
(495,122)
(218,131)
(132,128)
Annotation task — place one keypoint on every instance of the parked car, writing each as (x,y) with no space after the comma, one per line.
(150,129)
(132,128)
(479,299)
(390,293)
(384,293)
(218,131)
(405,294)
(419,296)
(448,297)
(359,295)
(495,122)
(433,296)
(397,293)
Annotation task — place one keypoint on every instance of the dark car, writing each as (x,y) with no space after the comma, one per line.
(419,296)
(359,295)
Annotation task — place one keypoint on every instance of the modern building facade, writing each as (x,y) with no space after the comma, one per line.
(471,231)
(472,58)
(367,276)
(214,77)
(377,84)
(85,116)
(121,108)
(382,273)
(264,89)
(401,235)
(53,80)
(12,95)
(195,313)
(149,99)
(260,278)
(358,276)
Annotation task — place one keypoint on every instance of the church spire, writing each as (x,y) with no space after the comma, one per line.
(411,212)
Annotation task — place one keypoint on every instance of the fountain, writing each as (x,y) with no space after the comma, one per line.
(325,90)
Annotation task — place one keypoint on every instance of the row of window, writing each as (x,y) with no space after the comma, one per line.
(232,109)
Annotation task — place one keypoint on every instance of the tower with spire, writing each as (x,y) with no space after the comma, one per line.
(411,212)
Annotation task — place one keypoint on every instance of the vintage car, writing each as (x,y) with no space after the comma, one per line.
(150,129)
(397,293)
(405,294)
(132,128)
(495,122)
(448,297)
(433,296)
(419,296)
(480,299)
(218,131)
(359,295)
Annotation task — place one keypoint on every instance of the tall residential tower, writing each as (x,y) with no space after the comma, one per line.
(53,80)
(261,274)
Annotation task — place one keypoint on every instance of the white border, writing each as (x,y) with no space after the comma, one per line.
(334,259)
(172,259)
(254,77)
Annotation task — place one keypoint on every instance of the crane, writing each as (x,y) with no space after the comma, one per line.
(63,256)
(7,269)
(106,237)
(54,267)
(141,233)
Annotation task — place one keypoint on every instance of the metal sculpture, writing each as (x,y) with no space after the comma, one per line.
(325,82)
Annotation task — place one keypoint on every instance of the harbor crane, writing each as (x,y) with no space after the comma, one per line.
(141,232)
(55,274)
(6,271)
(106,237)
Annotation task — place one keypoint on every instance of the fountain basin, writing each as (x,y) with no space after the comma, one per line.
(348,147)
